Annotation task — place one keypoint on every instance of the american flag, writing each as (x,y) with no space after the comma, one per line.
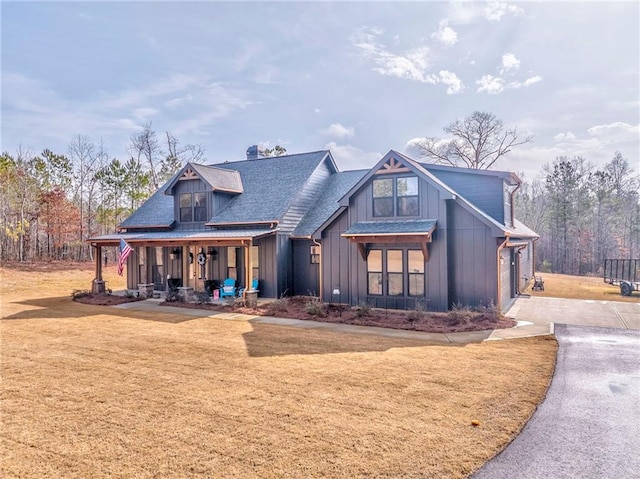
(125,251)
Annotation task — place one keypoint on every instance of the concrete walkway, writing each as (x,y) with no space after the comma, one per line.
(588,424)
(535,316)
(525,330)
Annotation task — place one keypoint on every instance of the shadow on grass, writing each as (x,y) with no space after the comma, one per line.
(268,340)
(65,307)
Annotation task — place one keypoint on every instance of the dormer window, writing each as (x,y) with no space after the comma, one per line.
(193,207)
(396,196)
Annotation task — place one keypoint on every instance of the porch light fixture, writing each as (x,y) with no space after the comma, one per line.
(174,253)
(211,251)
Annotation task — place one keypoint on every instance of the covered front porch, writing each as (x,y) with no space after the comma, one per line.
(200,261)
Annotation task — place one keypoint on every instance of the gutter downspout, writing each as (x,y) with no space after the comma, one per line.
(513,197)
(500,248)
(319,245)
(518,253)
(533,257)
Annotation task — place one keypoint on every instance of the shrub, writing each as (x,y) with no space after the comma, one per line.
(173,296)
(491,310)
(80,293)
(202,297)
(278,306)
(363,310)
(315,307)
(461,312)
(418,313)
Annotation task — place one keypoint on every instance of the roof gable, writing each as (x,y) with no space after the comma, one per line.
(218,179)
(394,162)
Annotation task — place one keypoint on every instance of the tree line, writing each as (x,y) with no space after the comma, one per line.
(51,203)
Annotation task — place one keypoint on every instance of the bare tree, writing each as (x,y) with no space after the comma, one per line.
(478,142)
(145,146)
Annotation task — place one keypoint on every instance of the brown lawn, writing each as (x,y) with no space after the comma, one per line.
(98,391)
(580,287)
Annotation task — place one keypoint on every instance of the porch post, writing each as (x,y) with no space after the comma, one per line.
(97,286)
(248,265)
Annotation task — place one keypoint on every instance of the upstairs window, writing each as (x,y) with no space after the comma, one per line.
(186,212)
(199,207)
(396,196)
(193,207)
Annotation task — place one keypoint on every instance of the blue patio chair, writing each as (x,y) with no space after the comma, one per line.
(254,287)
(228,288)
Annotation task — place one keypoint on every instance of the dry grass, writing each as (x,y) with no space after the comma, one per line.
(580,287)
(92,391)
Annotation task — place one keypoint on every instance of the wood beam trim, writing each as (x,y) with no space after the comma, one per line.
(364,250)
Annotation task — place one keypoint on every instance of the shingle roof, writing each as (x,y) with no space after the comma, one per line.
(391,227)
(157,211)
(220,179)
(270,186)
(337,186)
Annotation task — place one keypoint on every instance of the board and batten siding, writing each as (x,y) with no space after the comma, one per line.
(344,268)
(305,274)
(471,258)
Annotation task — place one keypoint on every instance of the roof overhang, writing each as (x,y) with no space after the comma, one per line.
(232,237)
(366,233)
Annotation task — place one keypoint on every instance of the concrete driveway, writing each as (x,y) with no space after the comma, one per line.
(535,315)
(589,423)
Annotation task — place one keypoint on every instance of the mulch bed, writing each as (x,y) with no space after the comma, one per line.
(105,299)
(432,322)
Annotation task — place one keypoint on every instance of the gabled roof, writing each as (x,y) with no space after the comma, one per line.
(327,204)
(219,179)
(511,177)
(271,185)
(392,157)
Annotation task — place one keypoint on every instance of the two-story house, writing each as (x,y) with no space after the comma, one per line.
(396,235)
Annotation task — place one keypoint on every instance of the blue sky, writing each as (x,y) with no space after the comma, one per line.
(359,78)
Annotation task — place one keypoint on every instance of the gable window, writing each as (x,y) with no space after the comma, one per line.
(193,207)
(383,197)
(186,213)
(199,207)
(396,196)
(407,191)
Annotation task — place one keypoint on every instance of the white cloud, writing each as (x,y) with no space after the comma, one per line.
(490,84)
(454,84)
(336,130)
(412,65)
(532,80)
(561,137)
(510,62)
(494,11)
(616,132)
(445,34)
(350,157)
